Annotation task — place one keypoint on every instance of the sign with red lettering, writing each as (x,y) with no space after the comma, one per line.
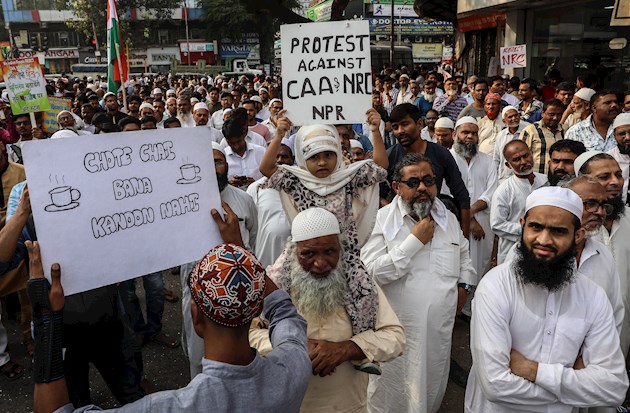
(326,72)
(513,56)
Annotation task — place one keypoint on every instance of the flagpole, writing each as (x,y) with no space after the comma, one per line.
(122,76)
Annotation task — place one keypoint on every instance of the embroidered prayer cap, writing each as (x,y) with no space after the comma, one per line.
(464,120)
(356,144)
(492,95)
(218,147)
(314,223)
(585,94)
(200,106)
(445,123)
(228,285)
(582,159)
(558,197)
(622,119)
(507,109)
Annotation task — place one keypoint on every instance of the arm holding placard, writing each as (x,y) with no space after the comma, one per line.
(380,153)
(268,163)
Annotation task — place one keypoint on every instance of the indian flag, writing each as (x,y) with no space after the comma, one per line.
(117,62)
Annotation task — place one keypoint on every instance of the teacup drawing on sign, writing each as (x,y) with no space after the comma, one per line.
(63,198)
(189,174)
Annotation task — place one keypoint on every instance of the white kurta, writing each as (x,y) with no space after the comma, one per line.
(488,132)
(502,139)
(480,178)
(273,225)
(619,243)
(420,282)
(624,164)
(508,206)
(243,206)
(552,329)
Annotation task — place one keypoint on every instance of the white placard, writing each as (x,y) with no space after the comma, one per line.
(112,207)
(513,56)
(326,72)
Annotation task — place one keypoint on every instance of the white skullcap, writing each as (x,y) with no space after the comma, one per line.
(103,85)
(109,94)
(200,105)
(227,110)
(218,147)
(314,223)
(506,109)
(90,79)
(168,92)
(288,143)
(622,119)
(582,159)
(263,89)
(556,196)
(356,144)
(146,105)
(404,76)
(156,91)
(194,101)
(272,101)
(61,113)
(585,94)
(463,120)
(445,123)
(256,98)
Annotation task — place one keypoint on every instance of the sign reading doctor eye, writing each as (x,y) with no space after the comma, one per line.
(112,209)
(326,72)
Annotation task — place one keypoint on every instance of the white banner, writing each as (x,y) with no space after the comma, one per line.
(513,56)
(326,72)
(110,208)
(400,10)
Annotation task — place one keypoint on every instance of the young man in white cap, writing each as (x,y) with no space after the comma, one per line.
(419,256)
(443,133)
(480,176)
(316,281)
(621,152)
(543,336)
(146,109)
(404,92)
(508,201)
(157,93)
(275,106)
(513,128)
(264,113)
(201,115)
(579,108)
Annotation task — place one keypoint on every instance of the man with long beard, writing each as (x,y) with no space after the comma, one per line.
(419,257)
(543,336)
(244,207)
(614,232)
(508,201)
(621,152)
(315,278)
(184,113)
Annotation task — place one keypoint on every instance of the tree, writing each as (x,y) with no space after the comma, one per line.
(92,14)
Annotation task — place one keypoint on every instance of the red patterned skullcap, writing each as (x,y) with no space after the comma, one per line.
(492,95)
(228,285)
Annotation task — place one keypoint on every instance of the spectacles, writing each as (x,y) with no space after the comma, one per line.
(593,206)
(415,182)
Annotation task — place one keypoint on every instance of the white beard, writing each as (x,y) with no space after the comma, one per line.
(184,117)
(317,297)
(451,92)
(428,98)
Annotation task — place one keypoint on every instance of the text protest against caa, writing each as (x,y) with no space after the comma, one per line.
(326,72)
(110,209)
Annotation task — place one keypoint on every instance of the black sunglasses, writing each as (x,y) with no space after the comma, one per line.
(415,182)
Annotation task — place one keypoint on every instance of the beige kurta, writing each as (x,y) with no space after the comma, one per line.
(488,132)
(345,391)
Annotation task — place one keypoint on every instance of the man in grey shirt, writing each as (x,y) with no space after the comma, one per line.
(235,378)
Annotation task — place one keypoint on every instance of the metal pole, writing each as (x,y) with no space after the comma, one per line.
(391,45)
(187,39)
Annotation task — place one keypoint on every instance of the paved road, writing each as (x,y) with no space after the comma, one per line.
(168,368)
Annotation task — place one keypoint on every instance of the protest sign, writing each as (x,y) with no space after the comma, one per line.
(50,124)
(513,56)
(26,85)
(110,209)
(326,72)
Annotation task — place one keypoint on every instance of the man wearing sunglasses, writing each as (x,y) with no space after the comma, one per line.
(419,256)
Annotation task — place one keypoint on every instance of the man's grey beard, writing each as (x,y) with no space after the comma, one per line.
(526,173)
(317,298)
(450,92)
(428,98)
(465,150)
(421,209)
(184,117)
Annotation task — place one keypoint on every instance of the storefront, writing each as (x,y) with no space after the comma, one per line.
(55,61)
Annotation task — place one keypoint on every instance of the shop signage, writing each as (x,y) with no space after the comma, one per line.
(400,10)
(427,52)
(409,27)
(486,21)
(52,53)
(320,12)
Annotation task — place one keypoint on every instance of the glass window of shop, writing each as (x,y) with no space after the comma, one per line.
(575,40)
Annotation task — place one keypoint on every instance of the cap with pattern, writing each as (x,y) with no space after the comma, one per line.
(314,223)
(228,285)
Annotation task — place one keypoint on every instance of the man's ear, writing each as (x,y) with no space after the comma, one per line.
(395,186)
(580,234)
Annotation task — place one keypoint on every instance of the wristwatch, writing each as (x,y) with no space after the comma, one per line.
(468,287)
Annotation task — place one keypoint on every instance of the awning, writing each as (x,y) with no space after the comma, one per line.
(440,10)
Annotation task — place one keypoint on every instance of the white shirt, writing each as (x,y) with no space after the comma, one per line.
(272,128)
(215,134)
(508,206)
(510,99)
(488,132)
(216,120)
(502,139)
(264,113)
(252,138)
(552,329)
(424,134)
(404,268)
(68,133)
(246,165)
(624,164)
(273,225)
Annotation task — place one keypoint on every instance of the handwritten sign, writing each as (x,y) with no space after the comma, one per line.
(50,124)
(26,85)
(513,56)
(326,72)
(110,209)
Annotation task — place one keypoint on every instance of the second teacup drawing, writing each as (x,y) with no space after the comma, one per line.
(189,173)
(63,198)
